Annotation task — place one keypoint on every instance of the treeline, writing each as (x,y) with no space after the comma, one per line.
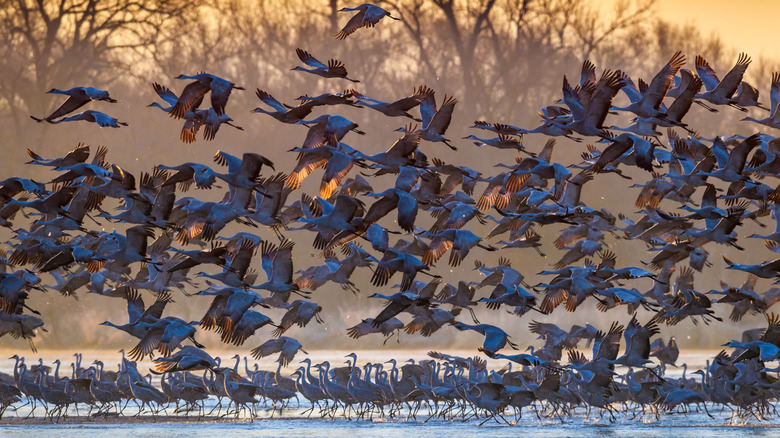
(501,58)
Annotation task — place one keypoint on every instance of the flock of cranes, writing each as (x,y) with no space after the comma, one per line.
(168,233)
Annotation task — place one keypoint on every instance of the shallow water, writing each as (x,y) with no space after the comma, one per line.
(294,423)
(691,425)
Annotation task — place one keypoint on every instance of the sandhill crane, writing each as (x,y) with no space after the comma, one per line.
(679,396)
(637,337)
(589,120)
(580,249)
(104,386)
(676,111)
(774,93)
(83,170)
(298,313)
(500,142)
(240,393)
(620,145)
(368,16)
(721,92)
(283,113)
(495,338)
(679,108)
(769,269)
(389,200)
(329,129)
(401,153)
(398,108)
(773,120)
(250,322)
(146,393)
(334,69)
(204,82)
(52,395)
(550,127)
(667,354)
(732,170)
(288,347)
(165,335)
(765,347)
(498,128)
(515,296)
(394,261)
(102,119)
(208,118)
(189,358)
(193,119)
(334,270)
(337,165)
(187,173)
(775,235)
(136,313)
(332,218)
(55,202)
(242,175)
(747,96)
(270,195)
(366,327)
(180,389)
(311,392)
(21,326)
(79,154)
(461,296)
(214,255)
(171,99)
(687,303)
(436,121)
(522,358)
(10,187)
(459,241)
(228,307)
(426,324)
(709,209)
(77,97)
(133,250)
(649,103)
(343,98)
(399,302)
(278,266)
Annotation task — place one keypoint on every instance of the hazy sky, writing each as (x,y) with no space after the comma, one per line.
(747,25)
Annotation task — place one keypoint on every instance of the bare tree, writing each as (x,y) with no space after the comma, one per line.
(72,42)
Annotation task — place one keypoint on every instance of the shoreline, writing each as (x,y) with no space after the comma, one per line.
(579,420)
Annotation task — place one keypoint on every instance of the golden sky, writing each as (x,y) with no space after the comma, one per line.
(747,25)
